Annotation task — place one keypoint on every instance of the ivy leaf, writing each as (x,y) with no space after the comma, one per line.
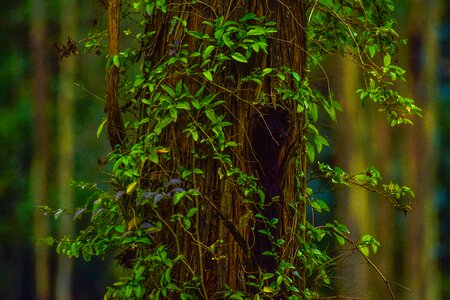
(239,57)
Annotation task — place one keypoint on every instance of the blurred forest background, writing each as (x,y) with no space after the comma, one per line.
(50,109)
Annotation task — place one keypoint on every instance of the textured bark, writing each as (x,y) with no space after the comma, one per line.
(271,146)
(116,131)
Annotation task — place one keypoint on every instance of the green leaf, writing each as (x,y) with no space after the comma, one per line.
(249,16)
(169,90)
(100,127)
(49,241)
(228,41)
(310,152)
(256,31)
(183,105)
(197,105)
(387,60)
(211,115)
(197,171)
(153,157)
(267,71)
(116,61)
(207,52)
(195,34)
(255,47)
(199,92)
(139,80)
(192,212)
(372,50)
(208,75)
(279,280)
(185,173)
(239,57)
(364,250)
(177,197)
(179,87)
(173,113)
(120,228)
(131,187)
(281,76)
(340,239)
(162,124)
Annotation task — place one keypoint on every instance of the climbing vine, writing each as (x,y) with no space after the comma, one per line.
(215,123)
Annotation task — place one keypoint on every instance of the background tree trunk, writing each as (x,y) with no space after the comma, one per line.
(406,154)
(352,154)
(421,152)
(41,134)
(65,139)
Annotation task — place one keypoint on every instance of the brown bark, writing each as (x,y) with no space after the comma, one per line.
(270,139)
(116,130)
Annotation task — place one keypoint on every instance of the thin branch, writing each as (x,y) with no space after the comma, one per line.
(386,281)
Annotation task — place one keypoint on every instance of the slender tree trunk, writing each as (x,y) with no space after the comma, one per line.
(41,157)
(352,148)
(385,228)
(65,138)
(421,266)
(116,131)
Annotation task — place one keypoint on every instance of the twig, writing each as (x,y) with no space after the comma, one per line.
(386,281)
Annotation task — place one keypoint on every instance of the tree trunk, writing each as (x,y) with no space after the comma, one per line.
(271,147)
(422,225)
(352,149)
(41,134)
(65,111)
